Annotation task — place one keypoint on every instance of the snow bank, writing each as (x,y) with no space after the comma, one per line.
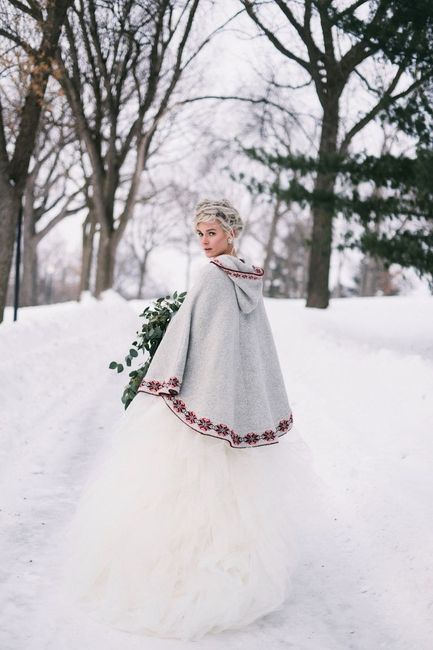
(360,382)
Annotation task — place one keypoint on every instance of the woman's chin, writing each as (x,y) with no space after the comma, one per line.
(212,253)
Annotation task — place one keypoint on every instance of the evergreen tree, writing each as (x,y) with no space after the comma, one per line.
(331,45)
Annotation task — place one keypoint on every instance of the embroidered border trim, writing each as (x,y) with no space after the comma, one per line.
(205,425)
(248,275)
(157,387)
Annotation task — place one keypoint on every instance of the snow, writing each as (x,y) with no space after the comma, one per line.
(360,382)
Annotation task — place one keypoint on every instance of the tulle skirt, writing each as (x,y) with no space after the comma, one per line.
(177,534)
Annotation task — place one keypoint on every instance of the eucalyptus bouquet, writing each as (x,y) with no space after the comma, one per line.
(156,316)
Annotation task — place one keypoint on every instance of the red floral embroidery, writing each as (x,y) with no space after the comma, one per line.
(284,425)
(251,438)
(222,429)
(190,417)
(155,386)
(178,405)
(236,439)
(205,425)
(249,275)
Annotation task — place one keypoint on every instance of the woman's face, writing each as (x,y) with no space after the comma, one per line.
(213,238)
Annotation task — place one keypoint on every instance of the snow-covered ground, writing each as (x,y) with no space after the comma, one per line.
(360,381)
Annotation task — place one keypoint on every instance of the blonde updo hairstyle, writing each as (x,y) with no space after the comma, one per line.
(219,210)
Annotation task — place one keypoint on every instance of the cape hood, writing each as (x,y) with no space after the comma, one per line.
(217,366)
(247,280)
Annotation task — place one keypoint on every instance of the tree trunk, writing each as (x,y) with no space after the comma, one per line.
(15,169)
(321,244)
(105,261)
(29,275)
(142,274)
(272,233)
(89,229)
(323,212)
(9,209)
(29,280)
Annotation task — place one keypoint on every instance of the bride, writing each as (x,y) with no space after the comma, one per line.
(187,525)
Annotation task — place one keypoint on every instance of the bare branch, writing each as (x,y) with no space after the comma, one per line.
(251,100)
(64,212)
(210,36)
(327,34)
(350,9)
(274,40)
(385,99)
(34,10)
(289,15)
(32,107)
(363,48)
(11,36)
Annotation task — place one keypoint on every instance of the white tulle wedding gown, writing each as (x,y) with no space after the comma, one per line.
(177,534)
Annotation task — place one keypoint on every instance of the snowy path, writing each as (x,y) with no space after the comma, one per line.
(60,398)
(363,402)
(366,411)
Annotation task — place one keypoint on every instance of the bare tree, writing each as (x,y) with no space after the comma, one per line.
(51,194)
(119,65)
(148,230)
(15,156)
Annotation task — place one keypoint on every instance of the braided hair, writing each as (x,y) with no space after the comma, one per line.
(221,210)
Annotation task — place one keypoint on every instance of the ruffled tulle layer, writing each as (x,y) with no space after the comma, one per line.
(177,534)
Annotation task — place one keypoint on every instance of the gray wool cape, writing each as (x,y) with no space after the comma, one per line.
(217,366)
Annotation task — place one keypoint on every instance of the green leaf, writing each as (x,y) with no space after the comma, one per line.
(156,318)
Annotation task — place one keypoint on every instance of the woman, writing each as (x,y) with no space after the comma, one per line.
(187,525)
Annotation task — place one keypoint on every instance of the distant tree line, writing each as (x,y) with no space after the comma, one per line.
(91,92)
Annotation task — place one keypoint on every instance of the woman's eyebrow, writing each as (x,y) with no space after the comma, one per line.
(206,229)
